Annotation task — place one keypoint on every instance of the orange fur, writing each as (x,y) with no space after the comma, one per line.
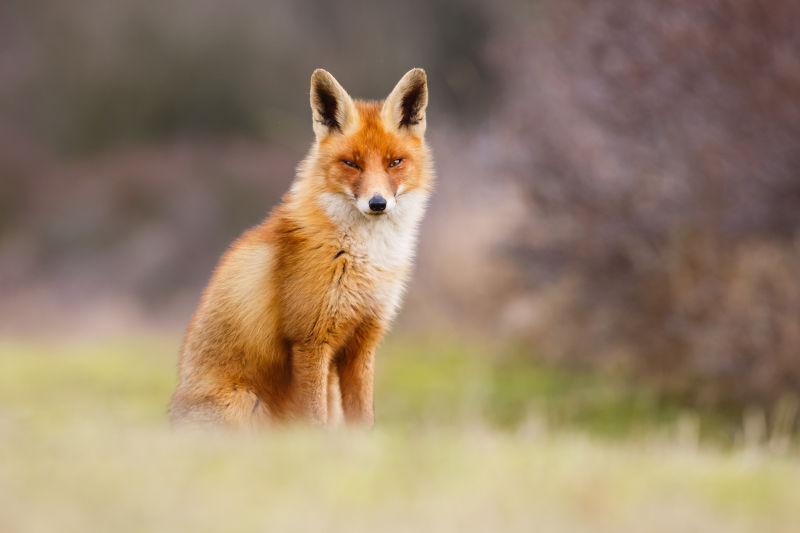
(288,326)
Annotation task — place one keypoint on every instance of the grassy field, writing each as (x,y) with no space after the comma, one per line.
(462,443)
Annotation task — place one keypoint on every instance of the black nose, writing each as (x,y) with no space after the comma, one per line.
(377,203)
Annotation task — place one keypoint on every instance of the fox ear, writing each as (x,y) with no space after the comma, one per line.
(331,107)
(404,108)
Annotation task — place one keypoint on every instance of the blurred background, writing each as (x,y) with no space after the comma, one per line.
(613,247)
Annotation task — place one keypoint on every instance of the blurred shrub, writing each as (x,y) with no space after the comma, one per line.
(137,139)
(657,145)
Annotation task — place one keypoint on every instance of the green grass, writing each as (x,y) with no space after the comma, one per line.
(462,443)
(441,383)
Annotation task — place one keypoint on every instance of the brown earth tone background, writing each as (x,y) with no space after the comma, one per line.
(618,189)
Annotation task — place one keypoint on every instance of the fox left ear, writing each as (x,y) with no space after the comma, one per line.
(404,108)
(332,108)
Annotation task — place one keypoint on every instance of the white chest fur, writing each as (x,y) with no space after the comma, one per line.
(381,247)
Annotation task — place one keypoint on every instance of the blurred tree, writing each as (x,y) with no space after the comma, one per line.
(658,144)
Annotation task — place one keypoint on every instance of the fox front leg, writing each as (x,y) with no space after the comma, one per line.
(310,368)
(356,376)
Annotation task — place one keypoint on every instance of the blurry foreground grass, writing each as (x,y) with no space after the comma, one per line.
(460,444)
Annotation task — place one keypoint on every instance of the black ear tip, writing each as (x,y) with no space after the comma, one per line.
(417,76)
(320,77)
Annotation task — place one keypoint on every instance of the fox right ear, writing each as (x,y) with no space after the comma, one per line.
(404,108)
(331,107)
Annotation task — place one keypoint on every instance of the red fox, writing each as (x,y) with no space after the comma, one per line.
(288,326)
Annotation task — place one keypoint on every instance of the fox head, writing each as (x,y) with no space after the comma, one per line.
(370,154)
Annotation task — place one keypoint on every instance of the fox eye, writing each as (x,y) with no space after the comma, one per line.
(395,162)
(351,164)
